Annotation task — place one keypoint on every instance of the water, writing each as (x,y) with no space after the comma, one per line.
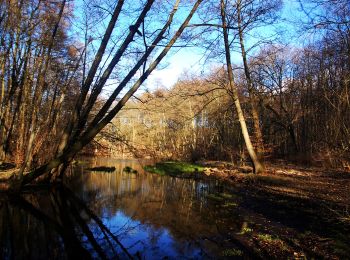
(151,216)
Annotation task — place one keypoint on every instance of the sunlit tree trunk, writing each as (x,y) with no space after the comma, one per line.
(252,92)
(258,167)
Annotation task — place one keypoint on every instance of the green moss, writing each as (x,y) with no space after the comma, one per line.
(226,199)
(153,169)
(274,241)
(229,205)
(226,195)
(246,230)
(174,168)
(232,252)
(266,237)
(214,197)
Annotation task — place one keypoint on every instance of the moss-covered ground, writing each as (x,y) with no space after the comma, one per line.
(173,168)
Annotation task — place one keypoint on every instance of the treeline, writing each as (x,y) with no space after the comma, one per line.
(299,97)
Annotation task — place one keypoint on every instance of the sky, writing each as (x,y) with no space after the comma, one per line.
(189,60)
(182,62)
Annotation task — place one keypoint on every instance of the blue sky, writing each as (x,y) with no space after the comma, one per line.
(189,60)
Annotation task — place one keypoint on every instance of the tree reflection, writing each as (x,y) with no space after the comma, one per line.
(59,226)
(152,216)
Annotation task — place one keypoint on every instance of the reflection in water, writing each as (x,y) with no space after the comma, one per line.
(54,225)
(111,215)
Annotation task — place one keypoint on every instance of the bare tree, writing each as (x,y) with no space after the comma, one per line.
(258,167)
(81,130)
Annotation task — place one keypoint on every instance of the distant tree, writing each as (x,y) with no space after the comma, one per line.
(275,73)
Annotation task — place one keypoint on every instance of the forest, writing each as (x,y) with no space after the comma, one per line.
(259,128)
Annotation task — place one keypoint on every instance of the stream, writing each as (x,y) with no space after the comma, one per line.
(117,215)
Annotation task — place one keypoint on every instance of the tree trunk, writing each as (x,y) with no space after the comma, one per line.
(259,143)
(258,167)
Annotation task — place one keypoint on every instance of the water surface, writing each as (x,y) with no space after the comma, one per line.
(113,214)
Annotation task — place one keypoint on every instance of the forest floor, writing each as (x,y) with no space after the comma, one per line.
(296,211)
(291,211)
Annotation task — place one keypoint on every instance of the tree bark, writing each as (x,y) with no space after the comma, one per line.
(258,167)
(252,93)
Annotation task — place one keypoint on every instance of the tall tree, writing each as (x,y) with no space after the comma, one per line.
(258,167)
(245,16)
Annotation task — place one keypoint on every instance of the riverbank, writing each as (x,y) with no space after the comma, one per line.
(294,212)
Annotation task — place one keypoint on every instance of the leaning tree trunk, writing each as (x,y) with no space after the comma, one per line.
(259,143)
(109,110)
(258,167)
